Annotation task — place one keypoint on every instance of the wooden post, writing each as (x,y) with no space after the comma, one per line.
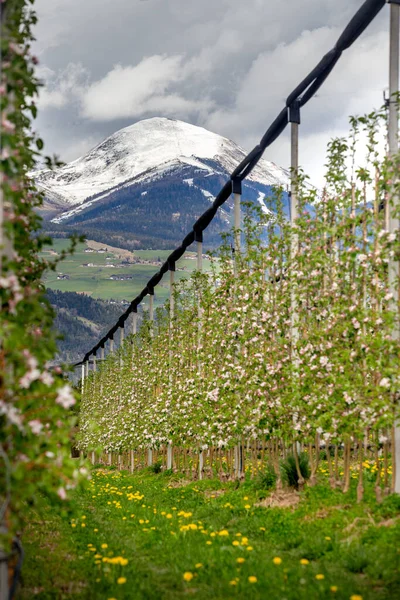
(393,139)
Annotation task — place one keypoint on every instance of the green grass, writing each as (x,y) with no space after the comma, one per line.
(165,527)
(96,280)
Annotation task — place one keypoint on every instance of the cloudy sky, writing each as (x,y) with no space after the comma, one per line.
(227,65)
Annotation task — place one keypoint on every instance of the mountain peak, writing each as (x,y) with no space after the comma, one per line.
(146,149)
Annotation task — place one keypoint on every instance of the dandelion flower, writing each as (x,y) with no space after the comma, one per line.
(208,543)
(104,546)
(198,565)
(356,597)
(334,588)
(233,582)
(277,560)
(235,543)
(121,580)
(304,561)
(83,524)
(252,579)
(188,576)
(320,576)
(247,506)
(224,532)
(73,524)
(240,560)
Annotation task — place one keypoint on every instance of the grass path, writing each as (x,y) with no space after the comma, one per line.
(148,536)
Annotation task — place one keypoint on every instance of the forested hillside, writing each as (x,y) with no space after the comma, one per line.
(81,320)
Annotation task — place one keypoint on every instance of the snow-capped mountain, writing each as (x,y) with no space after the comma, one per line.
(155,169)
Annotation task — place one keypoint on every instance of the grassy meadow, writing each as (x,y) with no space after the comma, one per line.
(158,536)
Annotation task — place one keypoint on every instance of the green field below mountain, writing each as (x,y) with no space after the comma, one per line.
(94,280)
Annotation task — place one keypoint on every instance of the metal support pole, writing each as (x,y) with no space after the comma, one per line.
(201,464)
(87,368)
(393,140)
(237,195)
(121,343)
(149,457)
(111,345)
(171,290)
(134,323)
(83,378)
(294,119)
(200,255)
(102,353)
(169,456)
(151,313)
(132,460)
(94,363)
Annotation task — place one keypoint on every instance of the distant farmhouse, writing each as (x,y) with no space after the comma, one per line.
(121,277)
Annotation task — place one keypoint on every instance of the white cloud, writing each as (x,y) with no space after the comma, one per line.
(59,90)
(135,90)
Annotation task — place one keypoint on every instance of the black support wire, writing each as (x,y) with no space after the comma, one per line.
(298,98)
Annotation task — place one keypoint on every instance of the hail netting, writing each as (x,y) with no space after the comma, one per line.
(302,93)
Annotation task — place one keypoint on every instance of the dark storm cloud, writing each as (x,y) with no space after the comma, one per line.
(223,64)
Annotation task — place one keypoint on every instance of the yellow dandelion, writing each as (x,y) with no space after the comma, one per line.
(233,582)
(121,580)
(104,546)
(277,560)
(198,565)
(304,561)
(224,532)
(320,576)
(328,538)
(83,524)
(249,548)
(240,560)
(356,597)
(247,506)
(235,543)
(252,579)
(73,524)
(208,543)
(188,576)
(334,588)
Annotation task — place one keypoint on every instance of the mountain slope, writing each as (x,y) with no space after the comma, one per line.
(146,184)
(81,321)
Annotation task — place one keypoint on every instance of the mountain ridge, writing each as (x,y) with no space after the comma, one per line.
(155,169)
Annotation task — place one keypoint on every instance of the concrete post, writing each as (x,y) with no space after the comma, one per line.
(393,142)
